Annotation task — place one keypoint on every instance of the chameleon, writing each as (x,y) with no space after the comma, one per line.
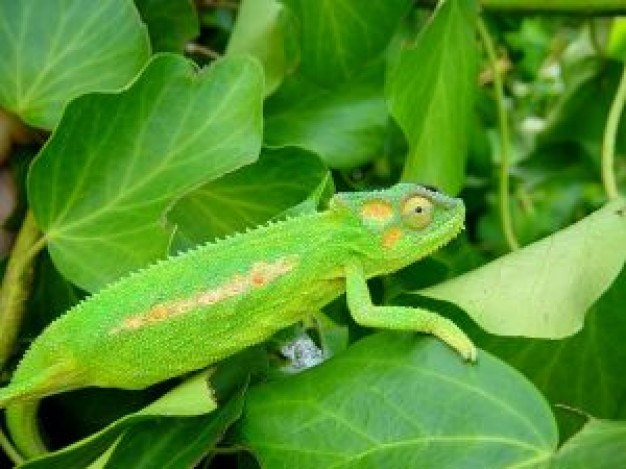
(193,309)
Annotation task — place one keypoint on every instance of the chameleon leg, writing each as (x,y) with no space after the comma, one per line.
(401,317)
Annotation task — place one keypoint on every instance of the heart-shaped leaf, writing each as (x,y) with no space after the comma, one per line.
(101,186)
(53,51)
(280,179)
(396,401)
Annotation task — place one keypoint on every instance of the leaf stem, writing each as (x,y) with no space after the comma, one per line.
(505,214)
(610,135)
(563,7)
(16,282)
(9,449)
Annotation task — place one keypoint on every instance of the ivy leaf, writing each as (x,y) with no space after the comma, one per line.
(430,92)
(339,38)
(345,126)
(544,289)
(280,179)
(100,187)
(394,400)
(53,51)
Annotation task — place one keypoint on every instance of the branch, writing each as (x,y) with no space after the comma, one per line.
(567,7)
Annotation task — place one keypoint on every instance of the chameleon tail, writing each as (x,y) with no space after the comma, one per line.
(22,424)
(27,386)
(21,400)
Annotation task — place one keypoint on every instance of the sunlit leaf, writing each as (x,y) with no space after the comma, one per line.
(544,289)
(53,51)
(102,184)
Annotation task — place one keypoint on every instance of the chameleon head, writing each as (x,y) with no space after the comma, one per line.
(407,221)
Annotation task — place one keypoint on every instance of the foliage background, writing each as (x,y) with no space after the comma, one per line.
(118,150)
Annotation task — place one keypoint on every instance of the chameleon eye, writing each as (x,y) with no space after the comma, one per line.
(417,212)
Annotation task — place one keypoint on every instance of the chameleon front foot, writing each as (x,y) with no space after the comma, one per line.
(402,317)
(418,320)
(452,335)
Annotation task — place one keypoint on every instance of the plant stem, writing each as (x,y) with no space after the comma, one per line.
(505,214)
(9,450)
(15,284)
(610,135)
(568,7)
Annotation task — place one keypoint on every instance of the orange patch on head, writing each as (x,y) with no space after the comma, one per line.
(377,210)
(391,237)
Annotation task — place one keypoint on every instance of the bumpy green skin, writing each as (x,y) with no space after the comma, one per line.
(305,263)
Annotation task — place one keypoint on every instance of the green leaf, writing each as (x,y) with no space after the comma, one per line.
(259,32)
(544,289)
(345,126)
(580,115)
(191,398)
(175,443)
(395,401)
(585,371)
(430,92)
(248,197)
(601,444)
(171,23)
(53,51)
(339,38)
(616,47)
(100,187)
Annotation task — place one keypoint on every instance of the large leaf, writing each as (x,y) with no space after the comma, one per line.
(100,187)
(544,289)
(53,51)
(259,32)
(396,401)
(171,23)
(430,92)
(345,126)
(248,197)
(337,38)
(191,398)
(585,371)
(601,444)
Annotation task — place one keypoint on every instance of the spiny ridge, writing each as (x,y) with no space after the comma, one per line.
(225,239)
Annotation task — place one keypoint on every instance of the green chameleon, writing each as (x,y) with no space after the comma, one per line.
(194,309)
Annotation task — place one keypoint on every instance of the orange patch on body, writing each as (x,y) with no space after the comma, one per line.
(377,210)
(260,274)
(391,237)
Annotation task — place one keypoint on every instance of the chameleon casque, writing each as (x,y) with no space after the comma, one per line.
(196,308)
